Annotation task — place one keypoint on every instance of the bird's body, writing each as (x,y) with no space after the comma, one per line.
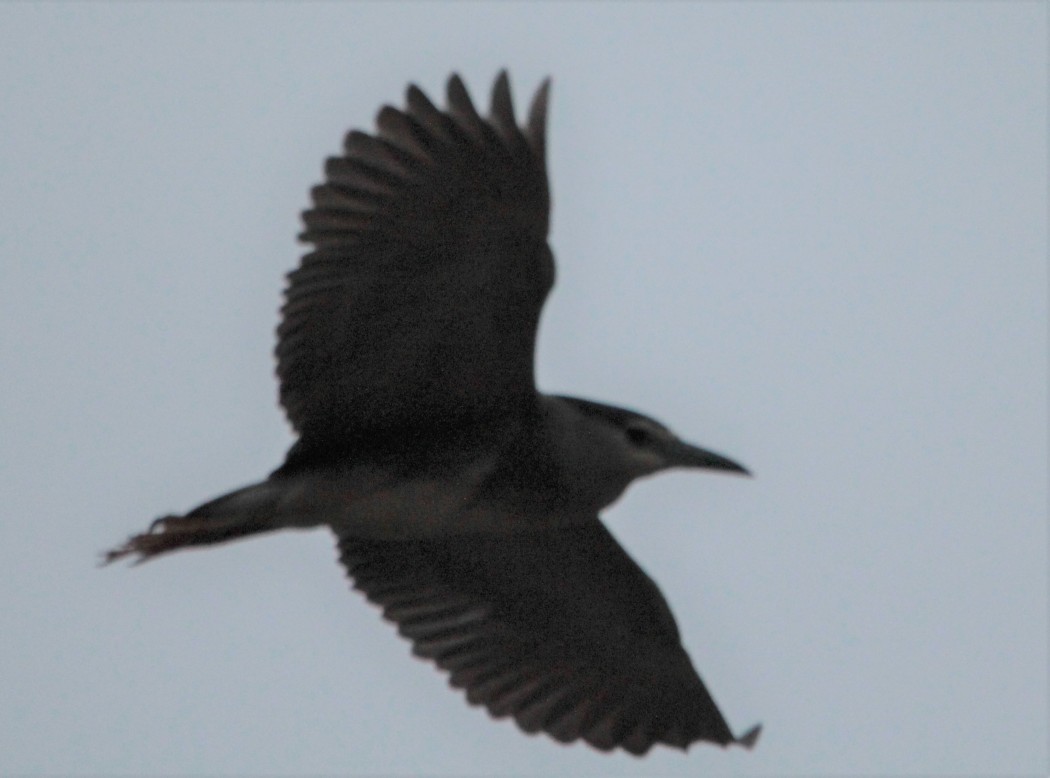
(464,501)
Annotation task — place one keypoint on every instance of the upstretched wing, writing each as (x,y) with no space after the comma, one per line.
(559,629)
(420,300)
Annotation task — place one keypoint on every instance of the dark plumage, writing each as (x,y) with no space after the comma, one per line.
(465,502)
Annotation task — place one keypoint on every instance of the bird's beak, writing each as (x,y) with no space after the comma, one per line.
(682,454)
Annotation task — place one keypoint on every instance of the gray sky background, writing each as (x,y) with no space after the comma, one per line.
(811,236)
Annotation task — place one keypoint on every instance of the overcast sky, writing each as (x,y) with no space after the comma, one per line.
(810,236)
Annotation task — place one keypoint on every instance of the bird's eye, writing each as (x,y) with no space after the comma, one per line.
(638,436)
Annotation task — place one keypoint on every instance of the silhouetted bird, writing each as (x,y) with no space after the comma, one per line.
(465,503)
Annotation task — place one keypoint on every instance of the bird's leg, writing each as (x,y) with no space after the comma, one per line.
(245,511)
(170,533)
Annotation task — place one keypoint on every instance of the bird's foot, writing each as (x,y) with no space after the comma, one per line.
(167,533)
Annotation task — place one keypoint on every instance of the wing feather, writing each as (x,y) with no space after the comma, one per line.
(420,301)
(558,629)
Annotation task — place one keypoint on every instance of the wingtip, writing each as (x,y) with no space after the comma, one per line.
(461,107)
(749,738)
(416,99)
(456,91)
(536,124)
(501,110)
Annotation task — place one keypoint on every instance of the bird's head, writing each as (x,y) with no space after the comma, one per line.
(613,446)
(653,447)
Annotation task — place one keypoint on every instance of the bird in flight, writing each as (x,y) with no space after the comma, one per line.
(465,503)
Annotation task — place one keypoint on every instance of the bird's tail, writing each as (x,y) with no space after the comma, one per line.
(246,511)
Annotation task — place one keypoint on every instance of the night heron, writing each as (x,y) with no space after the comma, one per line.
(465,502)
